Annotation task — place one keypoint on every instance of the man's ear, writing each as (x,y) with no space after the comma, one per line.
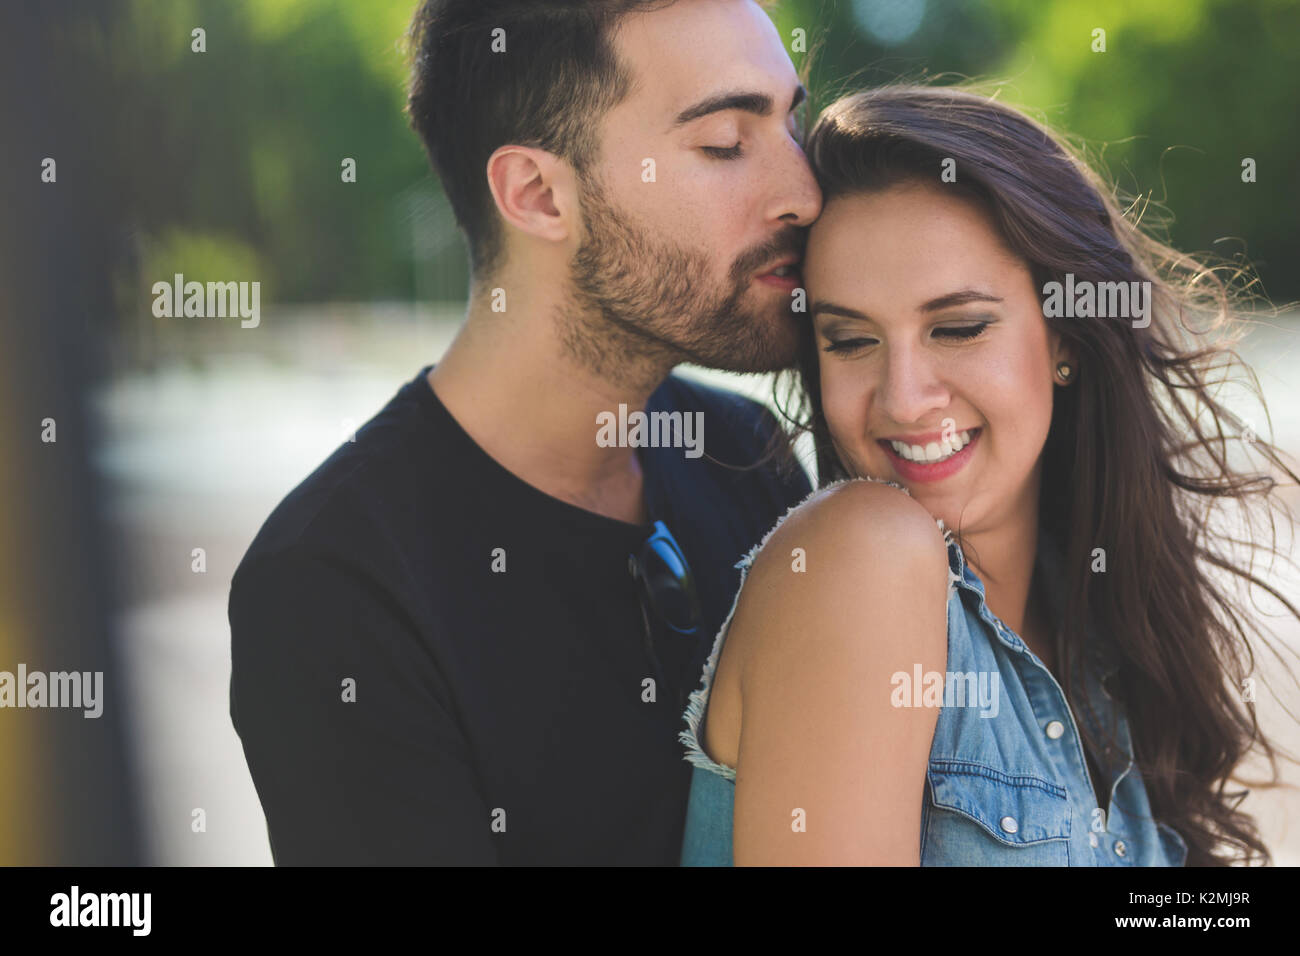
(533,190)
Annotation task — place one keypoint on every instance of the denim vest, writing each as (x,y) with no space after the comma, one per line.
(1007,783)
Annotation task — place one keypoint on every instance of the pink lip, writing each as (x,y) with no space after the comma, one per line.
(916,471)
(787,283)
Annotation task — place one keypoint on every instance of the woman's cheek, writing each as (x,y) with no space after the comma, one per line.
(846,415)
(1025,414)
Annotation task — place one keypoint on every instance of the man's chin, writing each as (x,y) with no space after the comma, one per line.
(743,350)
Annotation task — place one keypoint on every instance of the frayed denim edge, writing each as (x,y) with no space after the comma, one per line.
(698,701)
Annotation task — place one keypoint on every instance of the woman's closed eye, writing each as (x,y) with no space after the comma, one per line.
(965,332)
(848,344)
(968,331)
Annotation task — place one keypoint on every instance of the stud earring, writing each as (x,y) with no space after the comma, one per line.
(1065,373)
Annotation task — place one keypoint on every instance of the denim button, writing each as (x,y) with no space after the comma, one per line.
(1009,824)
(1055,729)
(1092,840)
(1120,848)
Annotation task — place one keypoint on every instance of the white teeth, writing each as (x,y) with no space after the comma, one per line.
(933,451)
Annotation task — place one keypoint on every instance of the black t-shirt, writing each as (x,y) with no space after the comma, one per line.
(402,700)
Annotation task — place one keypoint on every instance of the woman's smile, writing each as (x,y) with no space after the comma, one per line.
(933,459)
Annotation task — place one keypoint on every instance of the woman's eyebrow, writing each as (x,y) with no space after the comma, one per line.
(958,298)
(934,305)
(830,308)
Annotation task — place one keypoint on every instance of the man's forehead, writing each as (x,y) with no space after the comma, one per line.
(695,49)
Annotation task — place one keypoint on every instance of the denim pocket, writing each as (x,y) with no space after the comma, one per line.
(980,816)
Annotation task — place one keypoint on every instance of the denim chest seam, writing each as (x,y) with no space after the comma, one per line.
(1022,662)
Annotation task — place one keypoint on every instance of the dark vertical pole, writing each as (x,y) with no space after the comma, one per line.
(67,779)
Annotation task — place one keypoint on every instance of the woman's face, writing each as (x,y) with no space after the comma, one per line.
(936,363)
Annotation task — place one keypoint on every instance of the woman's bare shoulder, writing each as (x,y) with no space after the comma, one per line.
(853,551)
(850,590)
(849,523)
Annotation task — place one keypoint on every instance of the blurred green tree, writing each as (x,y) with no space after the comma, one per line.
(244,143)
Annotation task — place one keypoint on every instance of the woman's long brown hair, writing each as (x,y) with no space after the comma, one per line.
(1137,459)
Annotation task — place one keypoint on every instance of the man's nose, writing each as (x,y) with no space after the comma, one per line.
(798,197)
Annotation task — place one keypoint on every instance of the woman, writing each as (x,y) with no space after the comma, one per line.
(990,638)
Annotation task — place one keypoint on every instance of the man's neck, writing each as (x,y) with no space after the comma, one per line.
(532,407)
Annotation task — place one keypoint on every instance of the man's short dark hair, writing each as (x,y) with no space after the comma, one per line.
(557,77)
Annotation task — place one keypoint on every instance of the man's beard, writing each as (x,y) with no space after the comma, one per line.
(640,305)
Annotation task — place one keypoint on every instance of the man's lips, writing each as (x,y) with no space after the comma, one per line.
(791,259)
(792,280)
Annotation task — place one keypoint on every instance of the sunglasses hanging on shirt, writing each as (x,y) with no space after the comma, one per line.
(670,607)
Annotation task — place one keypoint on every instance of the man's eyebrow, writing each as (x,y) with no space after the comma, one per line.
(760,104)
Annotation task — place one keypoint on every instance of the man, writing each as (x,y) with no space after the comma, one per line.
(456,641)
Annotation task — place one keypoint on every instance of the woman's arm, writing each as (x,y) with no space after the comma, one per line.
(820,740)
